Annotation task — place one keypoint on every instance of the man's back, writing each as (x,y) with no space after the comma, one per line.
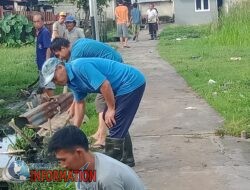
(114,175)
(91,48)
(136,16)
(86,75)
(121,13)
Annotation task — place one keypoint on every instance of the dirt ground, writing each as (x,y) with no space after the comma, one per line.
(173,133)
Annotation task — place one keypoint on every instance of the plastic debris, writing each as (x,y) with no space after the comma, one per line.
(191,108)
(211,81)
(214,93)
(235,58)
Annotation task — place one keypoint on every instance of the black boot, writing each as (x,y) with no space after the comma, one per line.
(128,157)
(114,147)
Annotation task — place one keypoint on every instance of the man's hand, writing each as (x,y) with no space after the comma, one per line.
(108,95)
(110,118)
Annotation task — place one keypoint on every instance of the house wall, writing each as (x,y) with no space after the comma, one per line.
(185,12)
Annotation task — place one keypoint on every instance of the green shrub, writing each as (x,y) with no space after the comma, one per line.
(16,30)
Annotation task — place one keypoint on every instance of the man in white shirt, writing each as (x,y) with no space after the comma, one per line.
(70,146)
(152,17)
(72,33)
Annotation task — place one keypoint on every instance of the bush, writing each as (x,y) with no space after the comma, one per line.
(16,30)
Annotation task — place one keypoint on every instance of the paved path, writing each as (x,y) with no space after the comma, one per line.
(174,146)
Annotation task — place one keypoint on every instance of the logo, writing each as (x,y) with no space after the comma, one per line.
(16,171)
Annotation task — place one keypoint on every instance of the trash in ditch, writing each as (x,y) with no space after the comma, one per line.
(211,81)
(235,58)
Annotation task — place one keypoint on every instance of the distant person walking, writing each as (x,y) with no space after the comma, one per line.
(152,17)
(59,26)
(43,39)
(122,21)
(135,19)
(72,33)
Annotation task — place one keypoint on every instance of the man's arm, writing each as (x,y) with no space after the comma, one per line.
(108,95)
(80,33)
(79,110)
(55,32)
(48,53)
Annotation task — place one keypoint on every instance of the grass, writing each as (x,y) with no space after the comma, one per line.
(204,52)
(18,70)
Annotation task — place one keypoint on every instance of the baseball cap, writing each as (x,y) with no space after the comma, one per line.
(70,18)
(48,70)
(62,14)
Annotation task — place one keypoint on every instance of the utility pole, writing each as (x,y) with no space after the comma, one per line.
(94,20)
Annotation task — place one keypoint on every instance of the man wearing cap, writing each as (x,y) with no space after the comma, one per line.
(59,27)
(121,85)
(82,48)
(72,33)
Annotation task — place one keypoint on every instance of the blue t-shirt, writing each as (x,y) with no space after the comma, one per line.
(86,75)
(136,16)
(91,48)
(42,44)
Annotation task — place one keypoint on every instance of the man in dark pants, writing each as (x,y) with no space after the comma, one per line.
(122,87)
(83,48)
(152,17)
(43,38)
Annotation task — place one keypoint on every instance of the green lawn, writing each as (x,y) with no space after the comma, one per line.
(198,60)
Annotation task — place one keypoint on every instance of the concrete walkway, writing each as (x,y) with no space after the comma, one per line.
(174,144)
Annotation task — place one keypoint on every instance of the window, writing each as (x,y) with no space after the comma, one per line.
(202,5)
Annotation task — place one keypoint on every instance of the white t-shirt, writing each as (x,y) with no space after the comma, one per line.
(75,34)
(60,28)
(112,175)
(152,16)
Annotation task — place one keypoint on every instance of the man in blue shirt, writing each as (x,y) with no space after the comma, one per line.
(135,19)
(83,47)
(121,85)
(88,48)
(42,50)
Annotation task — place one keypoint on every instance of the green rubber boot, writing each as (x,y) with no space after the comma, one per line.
(128,156)
(114,147)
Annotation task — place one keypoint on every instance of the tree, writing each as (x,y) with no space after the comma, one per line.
(84,5)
